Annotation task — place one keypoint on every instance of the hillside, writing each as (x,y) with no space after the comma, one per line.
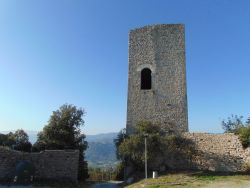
(101,150)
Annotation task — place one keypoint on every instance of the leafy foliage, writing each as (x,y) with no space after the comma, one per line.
(118,140)
(244,134)
(248,121)
(133,147)
(119,172)
(19,140)
(22,141)
(159,143)
(233,124)
(63,132)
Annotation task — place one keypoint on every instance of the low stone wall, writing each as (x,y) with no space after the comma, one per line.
(214,152)
(49,164)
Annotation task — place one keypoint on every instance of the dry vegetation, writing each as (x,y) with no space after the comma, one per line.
(193,180)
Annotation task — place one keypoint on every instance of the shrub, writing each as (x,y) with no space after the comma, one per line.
(233,124)
(247,166)
(244,134)
(119,172)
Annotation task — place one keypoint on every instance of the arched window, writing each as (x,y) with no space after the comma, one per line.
(146,78)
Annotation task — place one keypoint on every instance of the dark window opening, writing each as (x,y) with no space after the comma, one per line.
(146,79)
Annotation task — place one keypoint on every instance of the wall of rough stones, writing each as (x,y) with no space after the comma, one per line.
(161,48)
(49,164)
(213,152)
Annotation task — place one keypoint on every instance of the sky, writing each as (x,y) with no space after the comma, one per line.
(76,52)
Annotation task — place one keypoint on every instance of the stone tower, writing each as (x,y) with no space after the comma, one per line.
(157,77)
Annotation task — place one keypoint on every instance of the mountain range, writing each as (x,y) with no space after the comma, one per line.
(101,150)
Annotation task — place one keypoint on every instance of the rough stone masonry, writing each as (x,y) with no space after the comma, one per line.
(157,77)
(49,164)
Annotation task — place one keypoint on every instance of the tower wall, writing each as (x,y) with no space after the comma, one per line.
(161,48)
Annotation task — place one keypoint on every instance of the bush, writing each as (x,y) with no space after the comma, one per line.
(132,149)
(247,166)
(244,134)
(233,124)
(119,172)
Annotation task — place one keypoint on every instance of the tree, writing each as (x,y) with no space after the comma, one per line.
(19,140)
(22,141)
(160,145)
(10,142)
(118,141)
(63,131)
(21,136)
(132,148)
(244,134)
(3,139)
(233,124)
(248,121)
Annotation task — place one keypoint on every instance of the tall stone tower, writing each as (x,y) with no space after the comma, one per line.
(157,77)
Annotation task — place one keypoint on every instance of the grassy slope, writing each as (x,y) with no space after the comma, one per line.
(191,180)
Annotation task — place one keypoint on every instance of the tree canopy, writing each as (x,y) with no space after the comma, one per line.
(131,150)
(63,131)
(233,124)
(19,140)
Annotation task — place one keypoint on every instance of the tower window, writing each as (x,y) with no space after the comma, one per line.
(146,78)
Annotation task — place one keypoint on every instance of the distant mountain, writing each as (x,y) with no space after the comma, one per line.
(103,137)
(101,150)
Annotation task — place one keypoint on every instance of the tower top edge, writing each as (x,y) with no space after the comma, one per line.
(158,26)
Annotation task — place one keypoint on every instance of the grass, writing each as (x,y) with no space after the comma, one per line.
(194,180)
(170,180)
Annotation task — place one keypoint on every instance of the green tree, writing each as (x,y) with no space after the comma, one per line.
(19,140)
(233,124)
(22,141)
(3,139)
(21,136)
(160,145)
(244,134)
(132,148)
(63,131)
(10,140)
(122,135)
(248,121)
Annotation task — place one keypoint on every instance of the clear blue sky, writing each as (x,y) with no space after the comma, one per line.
(76,52)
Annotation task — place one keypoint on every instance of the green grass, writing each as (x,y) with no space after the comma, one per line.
(190,180)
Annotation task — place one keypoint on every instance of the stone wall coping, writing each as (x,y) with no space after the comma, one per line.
(205,133)
(149,27)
